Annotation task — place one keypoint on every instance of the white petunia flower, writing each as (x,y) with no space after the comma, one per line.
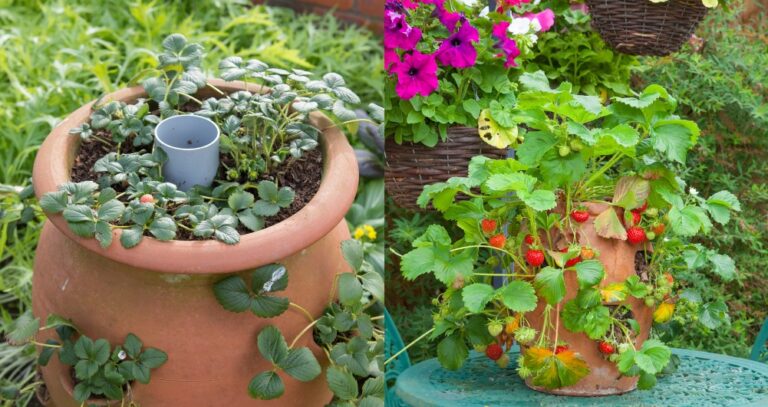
(520,26)
(484,12)
(470,3)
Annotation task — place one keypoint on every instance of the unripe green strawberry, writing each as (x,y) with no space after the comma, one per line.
(503,361)
(492,261)
(521,139)
(564,150)
(480,348)
(495,328)
(614,357)
(576,145)
(623,347)
(650,302)
(652,212)
(525,335)
(650,235)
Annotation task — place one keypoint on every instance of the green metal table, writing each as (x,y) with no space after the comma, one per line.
(702,379)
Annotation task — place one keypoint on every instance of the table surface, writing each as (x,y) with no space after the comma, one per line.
(703,379)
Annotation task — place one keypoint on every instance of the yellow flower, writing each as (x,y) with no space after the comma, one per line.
(370,232)
(365,231)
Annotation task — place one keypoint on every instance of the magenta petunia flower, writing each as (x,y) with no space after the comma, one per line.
(391,59)
(512,3)
(545,18)
(508,46)
(397,32)
(411,4)
(457,50)
(416,75)
(449,19)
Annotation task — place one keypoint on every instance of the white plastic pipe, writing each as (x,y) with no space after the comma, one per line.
(192,145)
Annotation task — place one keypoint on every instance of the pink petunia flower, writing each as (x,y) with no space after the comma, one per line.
(416,75)
(397,32)
(507,45)
(457,50)
(512,3)
(545,18)
(411,4)
(449,19)
(391,59)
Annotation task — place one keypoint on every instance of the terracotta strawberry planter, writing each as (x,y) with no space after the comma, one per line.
(162,291)
(618,258)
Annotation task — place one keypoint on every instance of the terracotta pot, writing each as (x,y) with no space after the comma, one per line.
(618,258)
(162,291)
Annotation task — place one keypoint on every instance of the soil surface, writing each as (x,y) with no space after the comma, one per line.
(302,175)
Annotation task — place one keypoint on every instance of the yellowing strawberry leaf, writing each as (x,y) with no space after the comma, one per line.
(554,371)
(613,293)
(663,312)
(608,225)
(493,133)
(631,192)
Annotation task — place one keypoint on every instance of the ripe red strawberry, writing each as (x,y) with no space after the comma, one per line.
(147,198)
(572,262)
(488,225)
(606,348)
(635,235)
(528,240)
(587,253)
(636,217)
(580,216)
(534,257)
(659,229)
(494,351)
(497,241)
(560,349)
(642,208)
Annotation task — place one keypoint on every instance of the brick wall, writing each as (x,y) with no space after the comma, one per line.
(367,13)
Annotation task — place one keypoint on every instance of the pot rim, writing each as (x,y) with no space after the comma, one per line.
(317,218)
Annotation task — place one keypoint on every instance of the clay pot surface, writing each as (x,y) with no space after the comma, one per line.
(163,291)
(618,258)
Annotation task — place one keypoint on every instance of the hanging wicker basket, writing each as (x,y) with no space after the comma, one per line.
(410,167)
(640,27)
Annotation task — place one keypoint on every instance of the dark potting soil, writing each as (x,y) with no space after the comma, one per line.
(641,266)
(302,175)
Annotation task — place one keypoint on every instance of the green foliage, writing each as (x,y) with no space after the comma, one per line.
(349,331)
(721,76)
(574,53)
(57,56)
(628,151)
(100,370)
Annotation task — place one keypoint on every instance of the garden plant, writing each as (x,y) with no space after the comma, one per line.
(231,29)
(588,226)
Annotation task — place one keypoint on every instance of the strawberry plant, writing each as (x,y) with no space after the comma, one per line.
(262,133)
(591,197)
(99,369)
(349,331)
